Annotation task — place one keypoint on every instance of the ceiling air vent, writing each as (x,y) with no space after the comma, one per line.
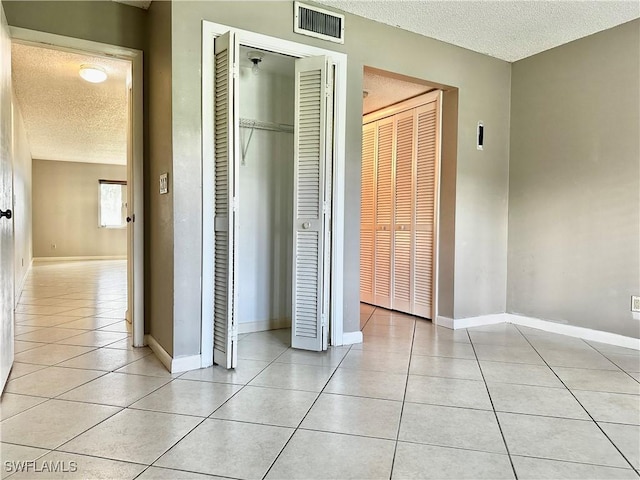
(319,23)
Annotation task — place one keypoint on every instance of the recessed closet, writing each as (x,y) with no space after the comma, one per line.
(400,160)
(265,229)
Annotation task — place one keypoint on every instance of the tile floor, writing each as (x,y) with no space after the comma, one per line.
(412,401)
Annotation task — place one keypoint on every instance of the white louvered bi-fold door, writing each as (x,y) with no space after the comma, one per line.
(226,126)
(384,213)
(312,151)
(427,132)
(403,212)
(367,212)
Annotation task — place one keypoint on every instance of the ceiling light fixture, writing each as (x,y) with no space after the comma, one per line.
(93,73)
(256,58)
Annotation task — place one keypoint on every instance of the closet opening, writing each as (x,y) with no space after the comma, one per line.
(401,149)
(265,210)
(274,121)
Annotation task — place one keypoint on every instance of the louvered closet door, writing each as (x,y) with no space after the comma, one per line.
(384,213)
(427,133)
(403,212)
(226,126)
(367,212)
(312,151)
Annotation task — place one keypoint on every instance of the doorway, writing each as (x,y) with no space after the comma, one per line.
(82,188)
(317,206)
(399,192)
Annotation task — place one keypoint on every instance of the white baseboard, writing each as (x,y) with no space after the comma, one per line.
(20,286)
(574,331)
(350,338)
(545,325)
(273,324)
(174,365)
(184,364)
(456,323)
(79,258)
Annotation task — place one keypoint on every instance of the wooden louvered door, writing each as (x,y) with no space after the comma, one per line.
(425,204)
(367,213)
(226,126)
(384,213)
(403,212)
(312,152)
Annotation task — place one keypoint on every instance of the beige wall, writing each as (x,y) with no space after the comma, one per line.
(478,213)
(65,210)
(21,199)
(159,209)
(574,209)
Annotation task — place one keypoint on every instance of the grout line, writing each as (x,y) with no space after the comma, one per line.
(587,412)
(495,413)
(297,428)
(614,363)
(404,397)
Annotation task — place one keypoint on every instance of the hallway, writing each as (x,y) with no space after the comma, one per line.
(412,401)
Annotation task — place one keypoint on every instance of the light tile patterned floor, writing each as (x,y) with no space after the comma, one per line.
(413,401)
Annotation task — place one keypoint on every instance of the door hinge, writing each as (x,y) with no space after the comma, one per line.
(234,204)
(325,207)
(235,70)
(323,320)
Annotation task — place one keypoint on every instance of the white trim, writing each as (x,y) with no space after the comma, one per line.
(78,45)
(273,324)
(456,323)
(351,338)
(19,286)
(297,50)
(184,364)
(544,325)
(173,365)
(575,331)
(79,258)
(160,352)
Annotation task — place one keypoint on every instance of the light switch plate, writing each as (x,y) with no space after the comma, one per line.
(164,183)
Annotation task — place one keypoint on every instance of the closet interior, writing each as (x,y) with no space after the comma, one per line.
(265,219)
(400,161)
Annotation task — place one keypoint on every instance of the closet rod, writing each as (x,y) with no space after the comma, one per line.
(274,127)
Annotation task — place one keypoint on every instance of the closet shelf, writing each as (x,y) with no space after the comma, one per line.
(271,126)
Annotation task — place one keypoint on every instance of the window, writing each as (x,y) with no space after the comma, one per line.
(113,203)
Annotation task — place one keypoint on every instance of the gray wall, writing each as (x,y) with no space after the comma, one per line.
(65,210)
(574,210)
(21,199)
(481,178)
(159,284)
(98,21)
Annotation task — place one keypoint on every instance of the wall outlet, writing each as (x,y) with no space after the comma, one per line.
(635,303)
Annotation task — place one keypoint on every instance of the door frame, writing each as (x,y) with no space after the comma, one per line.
(77,45)
(210,31)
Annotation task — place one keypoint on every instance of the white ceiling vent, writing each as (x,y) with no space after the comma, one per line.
(319,23)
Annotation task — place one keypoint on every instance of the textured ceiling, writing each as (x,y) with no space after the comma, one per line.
(67,118)
(506,29)
(384,91)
